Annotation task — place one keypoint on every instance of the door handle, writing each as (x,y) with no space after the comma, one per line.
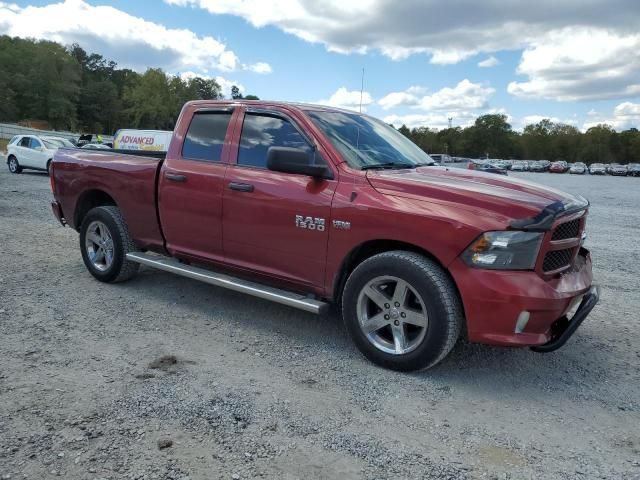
(241,187)
(174,177)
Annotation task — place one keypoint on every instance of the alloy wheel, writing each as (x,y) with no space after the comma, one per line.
(99,245)
(392,315)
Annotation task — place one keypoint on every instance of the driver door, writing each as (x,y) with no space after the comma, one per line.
(24,154)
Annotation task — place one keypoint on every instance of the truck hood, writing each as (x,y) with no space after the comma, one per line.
(521,201)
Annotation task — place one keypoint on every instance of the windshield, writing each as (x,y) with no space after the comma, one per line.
(365,142)
(57,142)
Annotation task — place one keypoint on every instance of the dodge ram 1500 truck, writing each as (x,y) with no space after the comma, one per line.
(312,206)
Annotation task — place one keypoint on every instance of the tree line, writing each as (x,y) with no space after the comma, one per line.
(70,89)
(491,136)
(67,88)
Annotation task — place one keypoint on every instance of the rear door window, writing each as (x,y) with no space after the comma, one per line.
(24,142)
(205,136)
(261,131)
(35,143)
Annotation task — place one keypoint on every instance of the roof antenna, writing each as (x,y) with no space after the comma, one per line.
(361,89)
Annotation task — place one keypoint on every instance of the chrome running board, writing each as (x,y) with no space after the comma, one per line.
(284,297)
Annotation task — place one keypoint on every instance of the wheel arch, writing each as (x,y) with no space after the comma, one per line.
(373,247)
(88,200)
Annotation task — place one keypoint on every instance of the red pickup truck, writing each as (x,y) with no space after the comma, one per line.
(312,206)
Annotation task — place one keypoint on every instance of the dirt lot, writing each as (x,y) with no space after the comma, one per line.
(89,388)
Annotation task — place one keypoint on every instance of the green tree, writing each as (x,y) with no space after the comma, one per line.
(596,145)
(491,135)
(405,131)
(235,92)
(148,103)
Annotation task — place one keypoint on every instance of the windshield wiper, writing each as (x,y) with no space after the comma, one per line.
(387,165)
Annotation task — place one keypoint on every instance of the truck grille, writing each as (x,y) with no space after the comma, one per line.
(557,258)
(567,230)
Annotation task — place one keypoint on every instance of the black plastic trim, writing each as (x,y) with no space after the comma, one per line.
(563,328)
(545,219)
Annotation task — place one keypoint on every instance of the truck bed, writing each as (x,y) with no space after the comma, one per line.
(129,180)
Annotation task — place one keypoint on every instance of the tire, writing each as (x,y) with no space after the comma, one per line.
(13,164)
(423,342)
(49,167)
(104,242)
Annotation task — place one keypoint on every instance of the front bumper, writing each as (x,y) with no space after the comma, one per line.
(517,308)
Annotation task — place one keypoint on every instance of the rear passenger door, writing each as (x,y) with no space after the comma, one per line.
(38,157)
(191,185)
(275,223)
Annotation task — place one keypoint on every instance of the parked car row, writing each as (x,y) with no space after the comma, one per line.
(487,166)
(560,166)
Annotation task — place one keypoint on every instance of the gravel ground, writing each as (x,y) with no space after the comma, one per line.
(164,377)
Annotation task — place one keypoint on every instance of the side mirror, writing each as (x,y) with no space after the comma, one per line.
(295,160)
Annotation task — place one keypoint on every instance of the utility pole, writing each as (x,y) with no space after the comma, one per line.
(450,122)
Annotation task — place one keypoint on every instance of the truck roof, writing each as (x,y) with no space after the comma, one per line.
(272,103)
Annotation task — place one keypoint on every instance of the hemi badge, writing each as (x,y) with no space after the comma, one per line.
(341,225)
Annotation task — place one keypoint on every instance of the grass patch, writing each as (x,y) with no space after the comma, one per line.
(3,144)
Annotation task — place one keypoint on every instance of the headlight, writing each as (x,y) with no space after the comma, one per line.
(509,250)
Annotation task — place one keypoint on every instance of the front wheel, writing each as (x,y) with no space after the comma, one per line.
(14,166)
(402,310)
(105,241)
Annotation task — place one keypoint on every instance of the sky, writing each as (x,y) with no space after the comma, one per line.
(426,62)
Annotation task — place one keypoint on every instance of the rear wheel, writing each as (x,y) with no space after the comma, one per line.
(49,167)
(105,241)
(402,310)
(14,166)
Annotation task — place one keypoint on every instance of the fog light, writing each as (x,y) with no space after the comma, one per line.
(522,321)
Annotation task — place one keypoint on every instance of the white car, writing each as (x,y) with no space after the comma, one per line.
(33,152)
(95,146)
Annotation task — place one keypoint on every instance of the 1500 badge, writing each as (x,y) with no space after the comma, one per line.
(310,223)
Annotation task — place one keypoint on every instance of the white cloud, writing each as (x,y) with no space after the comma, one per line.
(576,64)
(627,110)
(225,85)
(489,62)
(260,67)
(574,49)
(131,41)
(625,115)
(449,34)
(410,97)
(437,120)
(348,99)
(466,95)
